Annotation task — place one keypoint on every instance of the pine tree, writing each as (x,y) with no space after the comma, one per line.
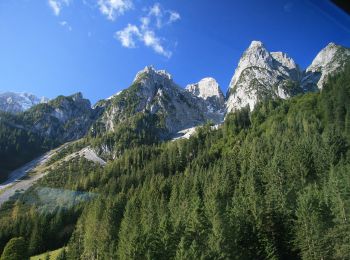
(310,228)
(15,249)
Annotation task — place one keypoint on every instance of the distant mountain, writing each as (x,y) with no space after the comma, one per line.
(23,136)
(329,60)
(209,90)
(61,119)
(18,102)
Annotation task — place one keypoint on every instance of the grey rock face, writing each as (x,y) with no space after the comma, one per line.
(261,74)
(328,61)
(154,91)
(208,89)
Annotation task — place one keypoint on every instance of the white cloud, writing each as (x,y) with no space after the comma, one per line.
(155,10)
(66,25)
(57,5)
(161,16)
(131,34)
(151,40)
(127,36)
(174,16)
(155,18)
(114,8)
(145,21)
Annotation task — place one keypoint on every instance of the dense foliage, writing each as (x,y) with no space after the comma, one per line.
(26,135)
(271,184)
(18,145)
(16,249)
(45,215)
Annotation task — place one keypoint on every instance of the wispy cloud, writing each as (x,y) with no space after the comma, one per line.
(57,5)
(155,19)
(131,33)
(151,40)
(161,16)
(66,25)
(174,16)
(114,8)
(127,36)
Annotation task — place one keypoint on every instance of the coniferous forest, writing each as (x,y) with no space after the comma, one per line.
(273,183)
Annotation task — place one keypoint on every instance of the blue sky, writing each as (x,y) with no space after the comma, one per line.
(53,47)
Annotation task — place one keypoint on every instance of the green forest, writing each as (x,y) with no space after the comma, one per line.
(273,183)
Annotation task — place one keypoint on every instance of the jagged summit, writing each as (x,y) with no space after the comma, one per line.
(77,96)
(154,93)
(261,74)
(332,44)
(209,90)
(324,56)
(205,88)
(284,60)
(150,71)
(256,44)
(256,55)
(328,61)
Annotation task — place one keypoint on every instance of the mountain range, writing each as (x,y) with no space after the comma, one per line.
(19,102)
(259,74)
(156,104)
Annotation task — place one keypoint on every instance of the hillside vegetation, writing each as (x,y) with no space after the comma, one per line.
(269,184)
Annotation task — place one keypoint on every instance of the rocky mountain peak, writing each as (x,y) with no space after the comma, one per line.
(256,44)
(151,73)
(262,74)
(331,45)
(77,96)
(329,60)
(205,88)
(149,81)
(209,90)
(154,94)
(324,57)
(65,117)
(284,60)
(255,55)
(44,100)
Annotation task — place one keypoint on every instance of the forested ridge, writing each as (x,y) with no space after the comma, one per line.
(26,135)
(18,145)
(269,184)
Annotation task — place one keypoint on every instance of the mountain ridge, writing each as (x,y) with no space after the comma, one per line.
(329,59)
(260,75)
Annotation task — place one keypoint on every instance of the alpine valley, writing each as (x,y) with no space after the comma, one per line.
(162,171)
